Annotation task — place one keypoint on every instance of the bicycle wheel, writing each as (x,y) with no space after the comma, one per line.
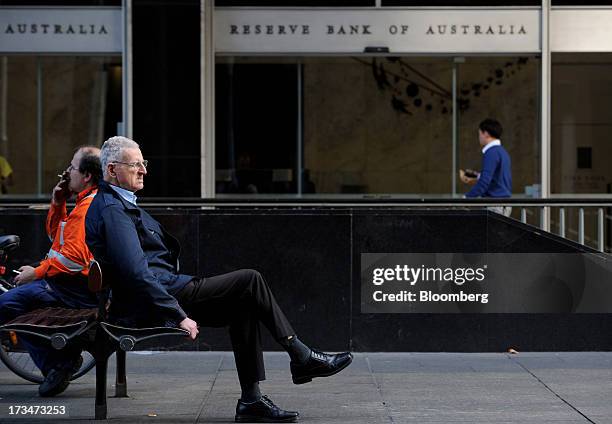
(18,360)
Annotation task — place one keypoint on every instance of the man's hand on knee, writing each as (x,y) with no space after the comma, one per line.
(191,326)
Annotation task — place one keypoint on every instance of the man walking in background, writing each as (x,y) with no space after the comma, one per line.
(495,178)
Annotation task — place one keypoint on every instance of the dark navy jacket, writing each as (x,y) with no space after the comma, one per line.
(138,258)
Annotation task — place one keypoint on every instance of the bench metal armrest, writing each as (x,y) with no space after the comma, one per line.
(58,335)
(129,337)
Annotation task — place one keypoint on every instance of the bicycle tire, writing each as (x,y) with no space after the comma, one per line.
(19,362)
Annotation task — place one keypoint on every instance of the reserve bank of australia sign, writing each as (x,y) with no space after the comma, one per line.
(239,31)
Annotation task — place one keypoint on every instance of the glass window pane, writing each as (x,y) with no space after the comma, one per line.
(18,102)
(378,125)
(581,123)
(256,125)
(368,125)
(53,105)
(371,125)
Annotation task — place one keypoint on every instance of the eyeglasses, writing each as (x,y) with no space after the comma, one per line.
(142,164)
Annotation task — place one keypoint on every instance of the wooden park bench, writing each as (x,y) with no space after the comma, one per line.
(93,332)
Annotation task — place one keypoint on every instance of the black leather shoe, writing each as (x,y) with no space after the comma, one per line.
(319,364)
(263,411)
(57,380)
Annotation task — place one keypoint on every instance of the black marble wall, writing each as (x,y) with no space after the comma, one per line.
(311,259)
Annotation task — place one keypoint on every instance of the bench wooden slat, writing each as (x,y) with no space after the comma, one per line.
(56,316)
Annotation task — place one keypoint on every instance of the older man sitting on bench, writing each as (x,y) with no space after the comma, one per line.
(137,253)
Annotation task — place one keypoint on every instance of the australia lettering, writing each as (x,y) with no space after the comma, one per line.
(55,29)
(476,30)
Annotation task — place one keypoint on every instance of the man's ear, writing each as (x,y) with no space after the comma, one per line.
(111,169)
(87,177)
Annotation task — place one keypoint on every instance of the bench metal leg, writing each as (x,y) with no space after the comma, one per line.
(121,380)
(101,357)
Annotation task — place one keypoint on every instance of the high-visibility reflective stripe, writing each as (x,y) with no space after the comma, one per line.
(62,225)
(71,265)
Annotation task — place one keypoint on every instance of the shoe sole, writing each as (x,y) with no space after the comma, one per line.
(256,419)
(308,378)
(61,389)
(58,390)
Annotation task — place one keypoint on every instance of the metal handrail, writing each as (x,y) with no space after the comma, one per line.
(602,217)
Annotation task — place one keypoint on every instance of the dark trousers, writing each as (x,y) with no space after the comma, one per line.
(240,300)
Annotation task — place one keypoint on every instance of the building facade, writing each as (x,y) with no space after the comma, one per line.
(310,98)
(319,101)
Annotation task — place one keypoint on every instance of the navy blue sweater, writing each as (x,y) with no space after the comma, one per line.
(495,177)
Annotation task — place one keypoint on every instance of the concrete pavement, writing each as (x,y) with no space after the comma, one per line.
(202,387)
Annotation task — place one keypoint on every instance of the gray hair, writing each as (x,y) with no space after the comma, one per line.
(112,150)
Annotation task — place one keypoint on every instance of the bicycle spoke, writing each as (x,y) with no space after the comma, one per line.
(25,362)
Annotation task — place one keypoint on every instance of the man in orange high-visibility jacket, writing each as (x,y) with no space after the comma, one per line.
(61,278)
